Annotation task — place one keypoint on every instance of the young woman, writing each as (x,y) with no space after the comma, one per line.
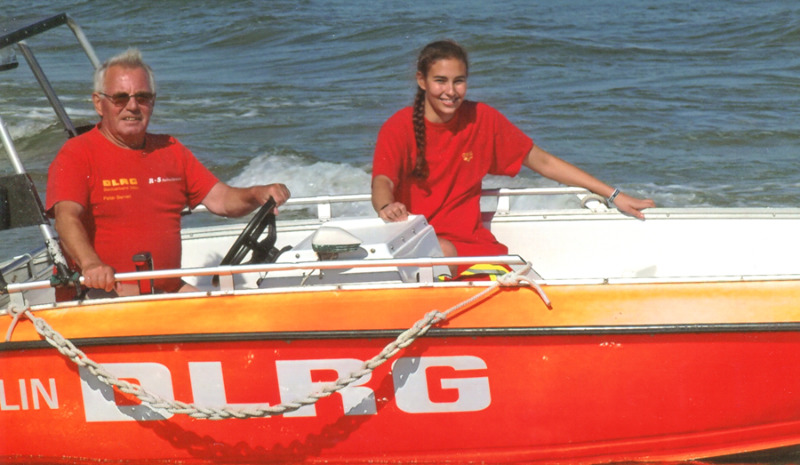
(430,159)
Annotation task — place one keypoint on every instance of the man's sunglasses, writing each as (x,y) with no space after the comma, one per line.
(121,99)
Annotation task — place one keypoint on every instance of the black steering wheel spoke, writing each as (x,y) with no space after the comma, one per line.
(247,242)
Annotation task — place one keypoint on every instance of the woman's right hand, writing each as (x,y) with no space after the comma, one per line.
(394,211)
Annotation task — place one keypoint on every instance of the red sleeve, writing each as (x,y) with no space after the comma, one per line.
(511,144)
(395,147)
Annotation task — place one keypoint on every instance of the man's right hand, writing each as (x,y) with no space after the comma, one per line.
(99,276)
(75,240)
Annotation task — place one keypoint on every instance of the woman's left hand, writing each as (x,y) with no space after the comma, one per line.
(632,206)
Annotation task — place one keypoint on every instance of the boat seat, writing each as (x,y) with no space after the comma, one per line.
(359,239)
(20,205)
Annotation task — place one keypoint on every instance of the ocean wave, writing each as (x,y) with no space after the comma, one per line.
(306,179)
(29,127)
(675,99)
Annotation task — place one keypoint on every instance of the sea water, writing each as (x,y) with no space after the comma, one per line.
(689,103)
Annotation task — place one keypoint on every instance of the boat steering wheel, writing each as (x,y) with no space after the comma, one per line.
(263,251)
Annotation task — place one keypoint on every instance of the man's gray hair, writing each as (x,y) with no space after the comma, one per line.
(131,58)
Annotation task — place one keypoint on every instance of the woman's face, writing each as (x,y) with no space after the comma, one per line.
(445,86)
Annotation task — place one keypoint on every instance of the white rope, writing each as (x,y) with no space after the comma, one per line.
(406,338)
(514,278)
(13,310)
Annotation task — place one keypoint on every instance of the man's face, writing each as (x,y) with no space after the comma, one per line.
(124,120)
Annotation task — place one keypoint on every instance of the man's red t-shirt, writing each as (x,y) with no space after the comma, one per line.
(478,141)
(132,198)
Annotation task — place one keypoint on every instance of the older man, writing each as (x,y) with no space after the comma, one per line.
(118,190)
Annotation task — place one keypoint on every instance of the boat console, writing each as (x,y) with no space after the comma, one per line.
(359,239)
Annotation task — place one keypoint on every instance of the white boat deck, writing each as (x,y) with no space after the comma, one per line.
(575,246)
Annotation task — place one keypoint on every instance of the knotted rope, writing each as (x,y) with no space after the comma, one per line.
(406,338)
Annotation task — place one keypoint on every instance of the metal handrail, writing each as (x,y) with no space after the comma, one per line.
(231,270)
(324,202)
(25,259)
(85,44)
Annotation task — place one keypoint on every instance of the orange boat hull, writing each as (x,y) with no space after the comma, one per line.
(503,381)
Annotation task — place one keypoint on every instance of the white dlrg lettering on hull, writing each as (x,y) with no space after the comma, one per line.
(30,392)
(98,397)
(208,386)
(468,392)
(411,373)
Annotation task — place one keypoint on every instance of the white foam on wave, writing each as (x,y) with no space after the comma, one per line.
(31,122)
(27,128)
(83,113)
(308,179)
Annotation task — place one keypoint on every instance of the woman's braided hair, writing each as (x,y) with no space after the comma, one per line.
(432,53)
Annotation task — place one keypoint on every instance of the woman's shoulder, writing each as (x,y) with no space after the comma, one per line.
(400,119)
(472,112)
(402,114)
(489,115)
(483,108)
